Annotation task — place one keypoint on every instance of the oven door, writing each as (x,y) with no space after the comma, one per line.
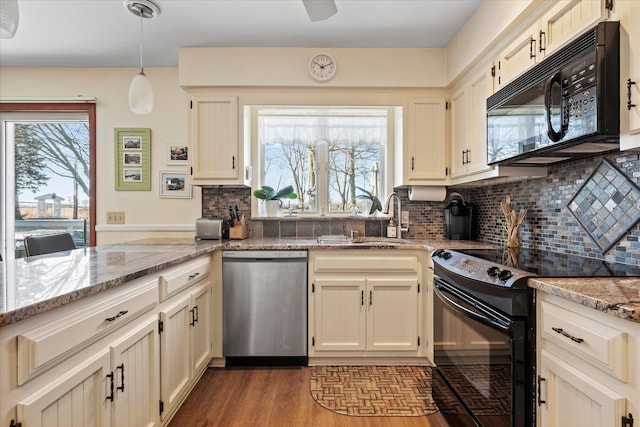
(480,359)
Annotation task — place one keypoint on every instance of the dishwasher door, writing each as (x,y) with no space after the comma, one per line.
(264,303)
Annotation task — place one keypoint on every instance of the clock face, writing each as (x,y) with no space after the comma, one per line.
(322,67)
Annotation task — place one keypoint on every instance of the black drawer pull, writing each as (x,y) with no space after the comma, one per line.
(540,401)
(111,319)
(571,337)
(110,376)
(194,275)
(121,386)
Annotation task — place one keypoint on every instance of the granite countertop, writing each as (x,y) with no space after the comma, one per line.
(617,296)
(38,284)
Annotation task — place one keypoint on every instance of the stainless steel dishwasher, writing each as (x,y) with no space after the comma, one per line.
(265,307)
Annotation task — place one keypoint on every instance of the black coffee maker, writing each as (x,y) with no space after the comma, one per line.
(458,218)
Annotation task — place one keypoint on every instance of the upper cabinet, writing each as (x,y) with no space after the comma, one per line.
(469,124)
(628,12)
(563,21)
(424,147)
(216,155)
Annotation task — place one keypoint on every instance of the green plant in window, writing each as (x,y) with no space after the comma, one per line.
(268,193)
(376,205)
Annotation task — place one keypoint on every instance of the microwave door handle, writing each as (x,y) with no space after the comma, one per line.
(554,135)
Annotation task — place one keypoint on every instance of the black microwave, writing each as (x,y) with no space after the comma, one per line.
(567,106)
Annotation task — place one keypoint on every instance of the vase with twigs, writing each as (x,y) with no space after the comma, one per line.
(513,223)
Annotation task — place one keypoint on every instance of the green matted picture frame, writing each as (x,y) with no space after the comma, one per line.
(132,159)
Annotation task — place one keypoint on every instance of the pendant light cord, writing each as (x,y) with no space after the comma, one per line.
(141,37)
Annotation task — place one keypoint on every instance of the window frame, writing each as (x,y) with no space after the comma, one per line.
(386,159)
(81,107)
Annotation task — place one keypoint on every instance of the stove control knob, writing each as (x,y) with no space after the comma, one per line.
(493,271)
(438,252)
(446,255)
(505,275)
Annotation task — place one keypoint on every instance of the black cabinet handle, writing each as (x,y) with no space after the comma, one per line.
(362,298)
(233,162)
(111,319)
(192,322)
(532,48)
(413,160)
(540,401)
(196,313)
(370,298)
(110,376)
(194,275)
(541,45)
(630,105)
(121,386)
(571,337)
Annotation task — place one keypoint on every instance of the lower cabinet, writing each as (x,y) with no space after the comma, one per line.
(588,369)
(363,304)
(185,344)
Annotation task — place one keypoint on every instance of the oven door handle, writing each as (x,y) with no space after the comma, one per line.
(441,288)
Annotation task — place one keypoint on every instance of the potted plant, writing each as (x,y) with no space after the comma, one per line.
(376,205)
(272,197)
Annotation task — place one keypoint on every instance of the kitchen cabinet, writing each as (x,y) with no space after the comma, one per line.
(469,124)
(424,154)
(587,365)
(216,154)
(185,344)
(564,20)
(363,303)
(628,13)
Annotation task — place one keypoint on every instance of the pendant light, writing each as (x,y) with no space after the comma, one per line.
(140,91)
(8,18)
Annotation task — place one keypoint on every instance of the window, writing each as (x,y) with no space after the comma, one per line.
(48,173)
(329,155)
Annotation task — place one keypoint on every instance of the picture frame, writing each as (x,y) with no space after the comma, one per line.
(173,184)
(177,154)
(132,159)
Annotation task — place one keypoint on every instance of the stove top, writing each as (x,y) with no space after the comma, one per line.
(550,264)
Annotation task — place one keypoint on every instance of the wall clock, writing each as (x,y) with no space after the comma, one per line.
(322,67)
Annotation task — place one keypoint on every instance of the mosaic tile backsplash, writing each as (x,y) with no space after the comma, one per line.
(549,225)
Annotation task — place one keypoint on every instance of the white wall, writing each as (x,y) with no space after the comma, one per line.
(168,124)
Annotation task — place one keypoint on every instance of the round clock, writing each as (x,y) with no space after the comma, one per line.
(322,67)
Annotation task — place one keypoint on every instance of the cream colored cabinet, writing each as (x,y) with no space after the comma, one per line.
(365,303)
(628,13)
(587,365)
(424,157)
(216,155)
(79,397)
(135,368)
(564,20)
(185,344)
(469,125)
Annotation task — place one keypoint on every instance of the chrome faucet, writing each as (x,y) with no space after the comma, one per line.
(399,214)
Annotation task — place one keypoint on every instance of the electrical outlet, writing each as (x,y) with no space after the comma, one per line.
(404,218)
(115,217)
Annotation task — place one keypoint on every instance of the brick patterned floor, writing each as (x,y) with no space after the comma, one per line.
(374,390)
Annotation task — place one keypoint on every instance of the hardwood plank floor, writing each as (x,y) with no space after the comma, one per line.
(271,396)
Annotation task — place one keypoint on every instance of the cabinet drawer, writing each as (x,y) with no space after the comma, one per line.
(367,263)
(175,279)
(42,347)
(602,346)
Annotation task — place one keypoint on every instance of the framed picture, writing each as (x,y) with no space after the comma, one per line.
(132,159)
(177,154)
(174,185)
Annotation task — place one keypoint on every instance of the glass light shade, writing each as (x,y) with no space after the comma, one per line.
(141,94)
(8,18)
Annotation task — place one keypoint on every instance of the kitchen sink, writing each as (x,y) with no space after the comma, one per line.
(378,241)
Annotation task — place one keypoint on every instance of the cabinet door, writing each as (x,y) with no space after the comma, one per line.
(79,398)
(567,19)
(339,317)
(392,318)
(135,363)
(201,326)
(427,140)
(479,91)
(459,128)
(175,352)
(213,139)
(573,399)
(519,55)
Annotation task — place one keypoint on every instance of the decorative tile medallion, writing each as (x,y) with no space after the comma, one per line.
(607,205)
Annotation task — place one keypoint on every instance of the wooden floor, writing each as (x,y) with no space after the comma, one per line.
(271,397)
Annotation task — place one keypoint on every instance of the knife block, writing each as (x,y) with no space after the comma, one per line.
(239,229)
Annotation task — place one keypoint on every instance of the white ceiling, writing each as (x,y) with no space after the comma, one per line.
(103,33)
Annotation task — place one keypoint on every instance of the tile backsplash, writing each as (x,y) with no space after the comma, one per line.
(548,225)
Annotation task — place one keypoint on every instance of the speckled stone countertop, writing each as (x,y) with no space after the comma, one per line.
(38,284)
(615,296)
